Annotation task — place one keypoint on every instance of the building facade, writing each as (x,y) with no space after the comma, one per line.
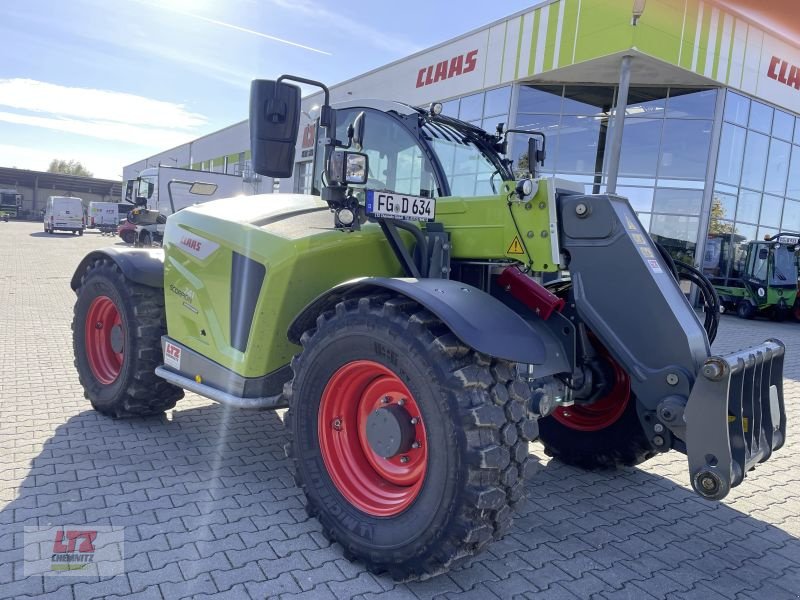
(711,135)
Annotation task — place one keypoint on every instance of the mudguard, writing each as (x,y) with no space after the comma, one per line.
(479,320)
(143,266)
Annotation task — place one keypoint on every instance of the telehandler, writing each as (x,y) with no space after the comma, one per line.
(398,318)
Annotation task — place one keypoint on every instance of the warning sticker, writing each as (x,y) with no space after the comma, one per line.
(631,223)
(646,252)
(516,247)
(655,266)
(638,238)
(172,356)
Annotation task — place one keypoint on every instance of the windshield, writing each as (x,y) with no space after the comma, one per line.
(466,167)
(784,270)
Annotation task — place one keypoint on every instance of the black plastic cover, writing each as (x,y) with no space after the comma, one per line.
(274,126)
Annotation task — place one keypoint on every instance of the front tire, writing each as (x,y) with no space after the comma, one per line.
(450,489)
(745,310)
(116,333)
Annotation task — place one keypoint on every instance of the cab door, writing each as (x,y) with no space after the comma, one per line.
(757,276)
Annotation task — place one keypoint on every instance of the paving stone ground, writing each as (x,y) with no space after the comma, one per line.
(209,507)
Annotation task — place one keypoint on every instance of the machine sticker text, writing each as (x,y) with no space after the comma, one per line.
(445,69)
(197,246)
(172,356)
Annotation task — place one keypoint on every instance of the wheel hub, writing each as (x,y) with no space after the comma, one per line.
(116,338)
(389,431)
(372,438)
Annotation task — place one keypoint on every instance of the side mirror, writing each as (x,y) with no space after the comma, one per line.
(763,254)
(203,189)
(347,168)
(358,130)
(274,127)
(533,157)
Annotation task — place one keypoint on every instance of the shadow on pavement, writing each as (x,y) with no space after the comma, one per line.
(208,505)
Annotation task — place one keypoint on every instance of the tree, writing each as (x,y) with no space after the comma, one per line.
(69,167)
(716,224)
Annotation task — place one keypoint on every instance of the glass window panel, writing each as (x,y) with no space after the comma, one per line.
(742,234)
(718,251)
(684,149)
(646,102)
(736,108)
(641,199)
(777,167)
(760,117)
(471,107)
(645,219)
(755,160)
(490,123)
(519,142)
(791,216)
(783,125)
(677,234)
(450,108)
(497,101)
(683,183)
(640,141)
(540,99)
(691,103)
(793,180)
(749,206)
(727,189)
(723,206)
(587,99)
(797,130)
(684,202)
(731,150)
(577,144)
(771,208)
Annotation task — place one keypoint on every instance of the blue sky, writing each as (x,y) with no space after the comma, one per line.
(108,83)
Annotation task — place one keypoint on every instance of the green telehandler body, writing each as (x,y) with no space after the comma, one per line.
(401,317)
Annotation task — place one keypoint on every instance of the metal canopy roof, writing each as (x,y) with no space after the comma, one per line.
(56,181)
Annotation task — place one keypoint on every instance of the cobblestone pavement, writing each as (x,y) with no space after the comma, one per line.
(209,507)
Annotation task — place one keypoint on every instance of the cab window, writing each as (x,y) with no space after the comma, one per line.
(396,162)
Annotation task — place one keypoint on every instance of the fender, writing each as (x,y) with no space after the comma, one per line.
(140,265)
(479,320)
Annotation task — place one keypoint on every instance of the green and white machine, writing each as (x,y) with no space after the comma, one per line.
(767,279)
(398,317)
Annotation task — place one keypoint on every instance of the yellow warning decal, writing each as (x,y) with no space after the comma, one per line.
(630,223)
(516,247)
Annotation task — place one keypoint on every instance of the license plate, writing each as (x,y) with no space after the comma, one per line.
(400,206)
(788,240)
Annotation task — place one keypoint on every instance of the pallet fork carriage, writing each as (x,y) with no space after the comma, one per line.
(405,326)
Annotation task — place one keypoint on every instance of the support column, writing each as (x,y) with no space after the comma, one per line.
(615,146)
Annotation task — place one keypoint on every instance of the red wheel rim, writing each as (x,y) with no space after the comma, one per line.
(378,486)
(104,340)
(605,411)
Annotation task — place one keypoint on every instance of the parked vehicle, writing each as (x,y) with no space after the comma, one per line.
(406,333)
(161,191)
(64,213)
(10,203)
(127,230)
(768,278)
(103,216)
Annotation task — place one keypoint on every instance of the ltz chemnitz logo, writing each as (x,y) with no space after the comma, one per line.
(73,549)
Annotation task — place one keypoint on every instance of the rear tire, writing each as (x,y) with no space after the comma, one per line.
(80,232)
(622,443)
(116,369)
(476,433)
(745,310)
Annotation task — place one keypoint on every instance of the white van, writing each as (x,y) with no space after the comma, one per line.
(64,213)
(103,216)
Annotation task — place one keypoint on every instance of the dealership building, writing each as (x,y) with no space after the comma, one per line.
(711,134)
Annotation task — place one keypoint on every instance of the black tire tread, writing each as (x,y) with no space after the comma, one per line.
(486,393)
(146,394)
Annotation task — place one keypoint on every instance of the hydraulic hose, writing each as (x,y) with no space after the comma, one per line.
(708,295)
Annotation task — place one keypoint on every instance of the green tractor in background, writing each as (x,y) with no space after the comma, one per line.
(767,278)
(401,318)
